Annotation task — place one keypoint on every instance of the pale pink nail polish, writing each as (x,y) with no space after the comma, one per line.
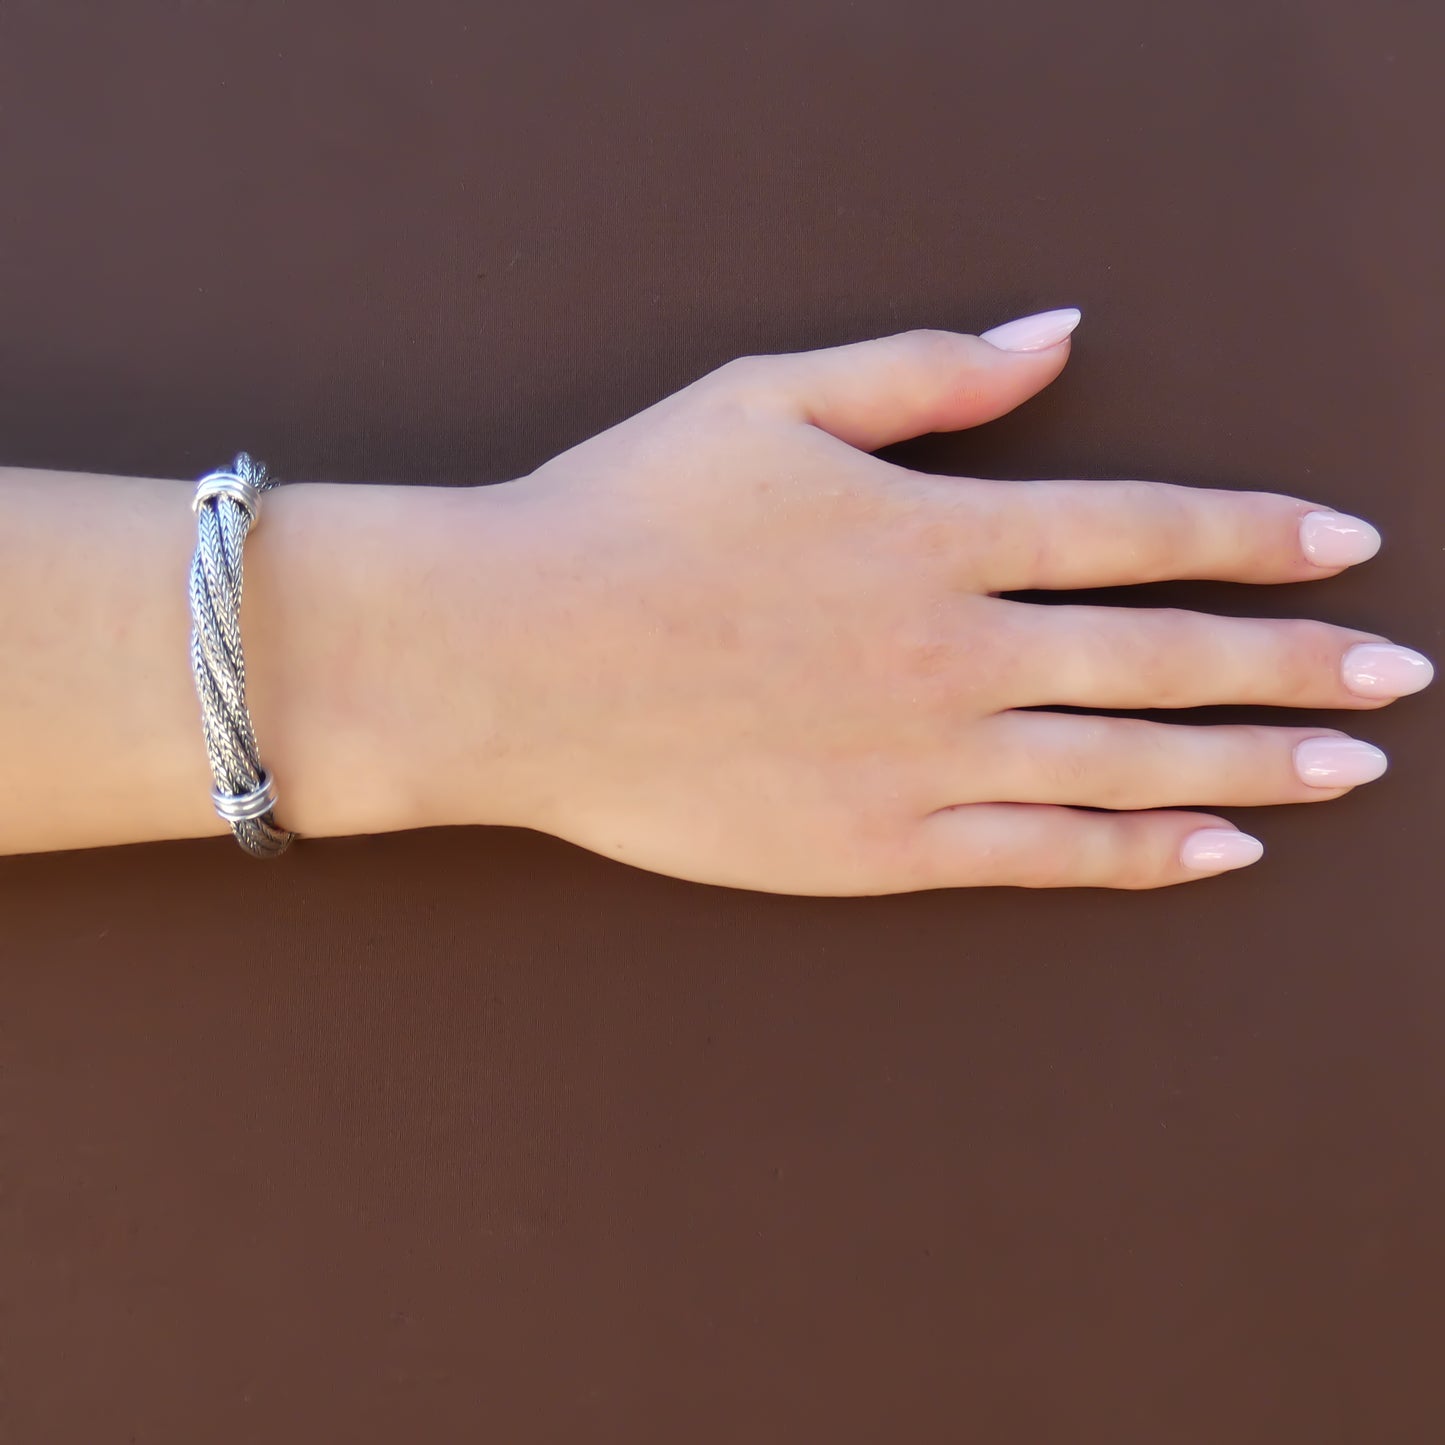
(1381,669)
(1034,333)
(1335,539)
(1338,762)
(1216,850)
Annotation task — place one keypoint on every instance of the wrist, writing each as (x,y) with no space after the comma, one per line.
(373,636)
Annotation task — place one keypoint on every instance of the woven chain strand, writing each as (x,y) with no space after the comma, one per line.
(226,506)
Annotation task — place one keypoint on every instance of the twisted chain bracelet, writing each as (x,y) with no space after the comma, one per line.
(227,505)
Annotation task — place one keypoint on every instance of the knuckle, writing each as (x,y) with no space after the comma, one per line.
(1175,533)
(1266,529)
(931,343)
(932,353)
(1070,769)
(1317,641)
(1140,851)
(1307,659)
(1162,649)
(946,669)
(957,525)
(878,846)
(946,369)
(1146,867)
(741,374)
(923,658)
(1049,868)
(1159,522)
(1062,856)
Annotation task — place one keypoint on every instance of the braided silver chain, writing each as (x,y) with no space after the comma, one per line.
(227,505)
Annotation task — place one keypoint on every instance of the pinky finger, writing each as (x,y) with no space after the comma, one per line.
(1037,845)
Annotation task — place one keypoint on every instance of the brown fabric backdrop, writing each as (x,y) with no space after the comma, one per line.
(473,1135)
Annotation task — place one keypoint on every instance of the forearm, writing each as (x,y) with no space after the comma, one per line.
(351,594)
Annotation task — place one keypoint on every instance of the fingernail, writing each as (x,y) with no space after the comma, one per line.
(1216,850)
(1335,539)
(1338,762)
(1380,669)
(1034,333)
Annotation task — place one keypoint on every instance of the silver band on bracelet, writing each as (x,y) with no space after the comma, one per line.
(227,505)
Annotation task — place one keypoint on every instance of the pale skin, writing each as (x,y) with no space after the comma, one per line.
(720,641)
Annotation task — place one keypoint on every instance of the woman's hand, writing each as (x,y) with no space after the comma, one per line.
(744,651)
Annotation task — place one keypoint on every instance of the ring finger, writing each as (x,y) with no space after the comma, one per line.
(1100,762)
(1126,657)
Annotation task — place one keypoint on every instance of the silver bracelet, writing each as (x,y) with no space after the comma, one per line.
(227,505)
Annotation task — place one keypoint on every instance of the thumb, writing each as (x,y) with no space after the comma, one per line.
(873,393)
